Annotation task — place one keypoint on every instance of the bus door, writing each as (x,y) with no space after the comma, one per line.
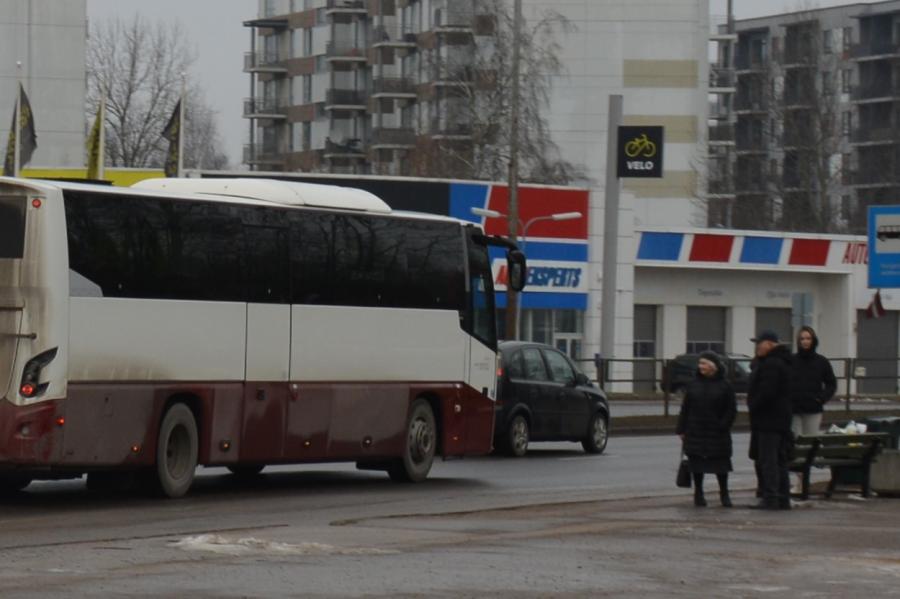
(268,343)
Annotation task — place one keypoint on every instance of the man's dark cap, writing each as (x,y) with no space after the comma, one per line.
(766,335)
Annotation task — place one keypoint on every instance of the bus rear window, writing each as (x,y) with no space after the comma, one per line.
(12,226)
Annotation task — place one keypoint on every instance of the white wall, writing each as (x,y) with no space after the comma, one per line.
(48,38)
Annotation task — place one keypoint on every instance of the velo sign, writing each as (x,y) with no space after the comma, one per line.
(640,152)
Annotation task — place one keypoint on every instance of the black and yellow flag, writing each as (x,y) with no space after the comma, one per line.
(172,133)
(24,132)
(95,144)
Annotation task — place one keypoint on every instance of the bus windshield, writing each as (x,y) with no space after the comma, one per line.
(12,226)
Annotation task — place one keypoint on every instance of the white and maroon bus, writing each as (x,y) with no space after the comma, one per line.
(237,323)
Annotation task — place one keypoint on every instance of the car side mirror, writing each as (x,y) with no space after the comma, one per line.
(581,380)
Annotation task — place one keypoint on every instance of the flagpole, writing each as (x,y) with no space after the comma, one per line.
(17,128)
(181,128)
(101,143)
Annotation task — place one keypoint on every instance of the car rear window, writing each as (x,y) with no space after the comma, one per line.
(12,226)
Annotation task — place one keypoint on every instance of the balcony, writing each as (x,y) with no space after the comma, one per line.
(721,80)
(720,186)
(879,90)
(876,135)
(262,154)
(721,135)
(339,51)
(393,138)
(346,149)
(452,20)
(746,185)
(875,50)
(345,7)
(385,36)
(750,144)
(749,104)
(393,87)
(344,99)
(453,76)
(263,62)
(264,108)
(798,97)
(877,178)
(451,131)
(751,64)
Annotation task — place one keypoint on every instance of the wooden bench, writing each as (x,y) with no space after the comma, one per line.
(841,452)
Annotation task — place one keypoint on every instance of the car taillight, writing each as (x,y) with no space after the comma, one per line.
(31,374)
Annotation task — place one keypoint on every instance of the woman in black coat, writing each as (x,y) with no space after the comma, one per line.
(704,425)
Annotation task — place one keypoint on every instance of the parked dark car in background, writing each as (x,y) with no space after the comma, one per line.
(683,369)
(542,396)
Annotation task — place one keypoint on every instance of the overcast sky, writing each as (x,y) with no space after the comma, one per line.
(220,40)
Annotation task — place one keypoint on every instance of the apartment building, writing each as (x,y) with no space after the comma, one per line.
(354,86)
(807,137)
(47,40)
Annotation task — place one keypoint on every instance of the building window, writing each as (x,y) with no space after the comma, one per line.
(307,89)
(845,122)
(307,42)
(827,41)
(847,208)
(827,82)
(846,75)
(705,329)
(848,38)
(307,137)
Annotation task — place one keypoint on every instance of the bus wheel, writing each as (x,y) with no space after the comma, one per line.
(13,482)
(176,451)
(421,441)
(246,470)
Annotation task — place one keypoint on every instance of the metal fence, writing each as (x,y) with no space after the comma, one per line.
(856,377)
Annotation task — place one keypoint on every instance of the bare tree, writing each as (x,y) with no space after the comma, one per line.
(475,101)
(140,67)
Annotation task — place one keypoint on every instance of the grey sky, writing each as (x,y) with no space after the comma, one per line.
(220,39)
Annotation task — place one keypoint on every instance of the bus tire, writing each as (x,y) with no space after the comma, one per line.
(13,483)
(246,470)
(176,451)
(419,448)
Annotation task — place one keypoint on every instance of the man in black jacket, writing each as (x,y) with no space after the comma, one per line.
(769,404)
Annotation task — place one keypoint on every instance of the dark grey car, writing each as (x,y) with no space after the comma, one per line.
(542,396)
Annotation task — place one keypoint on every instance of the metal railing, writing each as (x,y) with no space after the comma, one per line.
(856,377)
(264,106)
(393,85)
(261,60)
(345,97)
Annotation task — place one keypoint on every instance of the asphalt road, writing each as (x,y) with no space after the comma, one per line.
(555,523)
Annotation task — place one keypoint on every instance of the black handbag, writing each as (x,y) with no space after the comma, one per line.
(683,478)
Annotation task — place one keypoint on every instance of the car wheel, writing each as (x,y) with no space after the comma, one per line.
(421,444)
(176,451)
(246,470)
(517,437)
(598,434)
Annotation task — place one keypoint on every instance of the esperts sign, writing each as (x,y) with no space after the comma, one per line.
(546,275)
(640,152)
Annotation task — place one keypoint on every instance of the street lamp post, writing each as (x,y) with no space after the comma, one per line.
(559,216)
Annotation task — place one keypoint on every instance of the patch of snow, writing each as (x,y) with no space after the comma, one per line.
(251,546)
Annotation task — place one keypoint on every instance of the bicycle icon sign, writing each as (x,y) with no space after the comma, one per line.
(640,152)
(640,146)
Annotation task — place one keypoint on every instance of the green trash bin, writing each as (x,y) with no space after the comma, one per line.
(885,424)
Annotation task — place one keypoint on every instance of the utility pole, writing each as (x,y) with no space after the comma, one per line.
(512,297)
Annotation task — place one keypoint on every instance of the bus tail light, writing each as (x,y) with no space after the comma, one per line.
(31,375)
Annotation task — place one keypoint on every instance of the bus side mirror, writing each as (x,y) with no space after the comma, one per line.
(515,261)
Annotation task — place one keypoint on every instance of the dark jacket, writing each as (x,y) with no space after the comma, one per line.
(707,413)
(812,381)
(768,393)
